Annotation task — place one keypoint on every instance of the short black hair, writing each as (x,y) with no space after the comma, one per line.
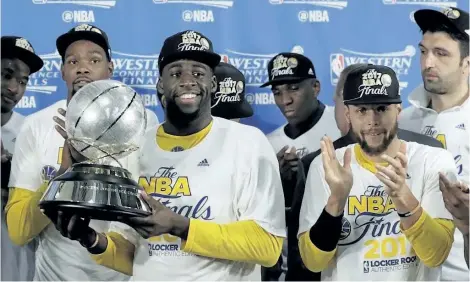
(462,39)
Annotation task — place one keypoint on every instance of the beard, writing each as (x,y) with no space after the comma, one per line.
(180,118)
(5,109)
(375,151)
(435,87)
(440,86)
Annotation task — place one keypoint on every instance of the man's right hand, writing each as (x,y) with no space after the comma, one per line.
(6,156)
(338,177)
(288,162)
(73,226)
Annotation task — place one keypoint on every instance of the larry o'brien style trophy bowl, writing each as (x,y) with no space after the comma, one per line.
(105,122)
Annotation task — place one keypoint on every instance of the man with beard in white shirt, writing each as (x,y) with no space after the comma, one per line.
(19,61)
(373,210)
(440,106)
(39,156)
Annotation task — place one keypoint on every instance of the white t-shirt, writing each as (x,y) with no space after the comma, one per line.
(10,131)
(232,175)
(309,141)
(35,160)
(372,246)
(451,127)
(17,261)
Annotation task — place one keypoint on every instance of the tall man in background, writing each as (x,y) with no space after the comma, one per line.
(292,79)
(19,61)
(440,106)
(38,157)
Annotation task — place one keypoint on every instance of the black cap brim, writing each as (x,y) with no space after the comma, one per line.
(427,19)
(33,61)
(65,40)
(208,58)
(283,80)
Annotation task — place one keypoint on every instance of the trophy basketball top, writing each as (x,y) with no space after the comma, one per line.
(105,121)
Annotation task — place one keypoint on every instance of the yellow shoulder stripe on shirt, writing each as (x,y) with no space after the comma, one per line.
(167,141)
(23,216)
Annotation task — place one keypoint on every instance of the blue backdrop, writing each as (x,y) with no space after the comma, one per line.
(247,33)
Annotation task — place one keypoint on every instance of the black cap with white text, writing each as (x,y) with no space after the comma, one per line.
(371,84)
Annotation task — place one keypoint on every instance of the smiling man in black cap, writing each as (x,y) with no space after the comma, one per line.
(375,206)
(228,101)
(213,186)
(19,61)
(440,106)
(41,153)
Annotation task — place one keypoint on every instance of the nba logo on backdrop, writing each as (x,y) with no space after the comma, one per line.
(337,66)
(314,16)
(199,16)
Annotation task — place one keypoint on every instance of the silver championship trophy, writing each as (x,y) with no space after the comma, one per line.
(105,122)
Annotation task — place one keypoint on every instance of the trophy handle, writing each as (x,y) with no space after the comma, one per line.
(107,154)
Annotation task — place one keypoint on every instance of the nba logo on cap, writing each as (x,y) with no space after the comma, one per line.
(337,65)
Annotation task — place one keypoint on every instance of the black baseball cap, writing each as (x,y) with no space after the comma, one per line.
(188,44)
(84,32)
(454,18)
(229,100)
(371,84)
(289,67)
(20,48)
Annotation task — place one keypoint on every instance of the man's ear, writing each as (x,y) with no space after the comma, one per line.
(62,70)
(160,87)
(347,114)
(163,102)
(111,68)
(466,64)
(214,84)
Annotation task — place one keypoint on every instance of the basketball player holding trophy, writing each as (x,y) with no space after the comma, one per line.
(204,178)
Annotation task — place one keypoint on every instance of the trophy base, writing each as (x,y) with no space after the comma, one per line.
(99,192)
(93,211)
